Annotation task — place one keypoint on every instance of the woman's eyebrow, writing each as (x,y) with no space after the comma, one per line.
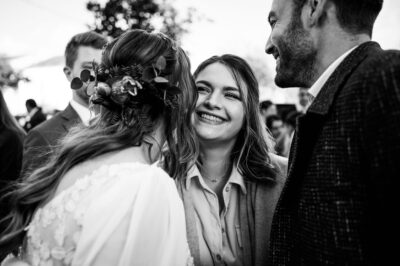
(230,88)
(205,82)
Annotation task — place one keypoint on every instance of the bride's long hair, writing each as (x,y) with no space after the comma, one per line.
(124,125)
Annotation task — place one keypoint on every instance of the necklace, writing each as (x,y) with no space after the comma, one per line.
(214,180)
(211,179)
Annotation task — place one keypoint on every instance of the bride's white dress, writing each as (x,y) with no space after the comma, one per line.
(120,214)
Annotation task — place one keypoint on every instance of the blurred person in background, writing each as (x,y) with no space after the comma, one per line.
(290,127)
(35,115)
(230,194)
(267,108)
(11,140)
(275,125)
(277,128)
(304,100)
(81,51)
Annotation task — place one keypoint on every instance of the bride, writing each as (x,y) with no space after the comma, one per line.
(102,199)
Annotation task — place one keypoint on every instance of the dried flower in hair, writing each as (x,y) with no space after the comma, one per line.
(115,87)
(103,89)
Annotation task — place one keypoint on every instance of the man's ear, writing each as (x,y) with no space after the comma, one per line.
(68,73)
(316,12)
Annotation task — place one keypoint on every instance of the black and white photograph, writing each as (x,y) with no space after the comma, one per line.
(206,133)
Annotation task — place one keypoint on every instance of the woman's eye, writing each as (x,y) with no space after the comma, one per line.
(202,89)
(233,96)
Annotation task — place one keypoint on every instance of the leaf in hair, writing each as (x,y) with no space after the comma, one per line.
(160,80)
(76,83)
(85,75)
(148,74)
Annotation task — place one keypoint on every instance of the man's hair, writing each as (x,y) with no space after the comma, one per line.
(264,105)
(355,16)
(89,39)
(31,103)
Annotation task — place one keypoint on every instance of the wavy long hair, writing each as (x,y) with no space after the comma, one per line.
(110,131)
(253,144)
(7,120)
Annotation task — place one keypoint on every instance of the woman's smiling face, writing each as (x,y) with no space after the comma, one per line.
(219,113)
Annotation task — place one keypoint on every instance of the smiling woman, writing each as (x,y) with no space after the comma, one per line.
(235,174)
(219,111)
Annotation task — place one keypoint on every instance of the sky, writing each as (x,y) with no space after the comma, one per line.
(35,30)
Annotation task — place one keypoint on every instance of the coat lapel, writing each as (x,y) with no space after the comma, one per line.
(324,100)
(309,126)
(70,118)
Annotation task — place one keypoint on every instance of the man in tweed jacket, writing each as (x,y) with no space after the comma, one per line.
(338,204)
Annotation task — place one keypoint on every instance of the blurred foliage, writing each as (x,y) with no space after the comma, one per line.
(261,70)
(117,16)
(8,76)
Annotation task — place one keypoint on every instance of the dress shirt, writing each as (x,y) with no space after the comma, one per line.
(219,231)
(82,111)
(31,114)
(317,86)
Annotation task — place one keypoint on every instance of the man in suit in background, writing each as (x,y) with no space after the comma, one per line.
(80,53)
(338,204)
(35,115)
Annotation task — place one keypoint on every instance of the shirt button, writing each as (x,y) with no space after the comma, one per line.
(223,230)
(218,257)
(227,189)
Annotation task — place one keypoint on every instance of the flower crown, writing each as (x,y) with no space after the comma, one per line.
(120,86)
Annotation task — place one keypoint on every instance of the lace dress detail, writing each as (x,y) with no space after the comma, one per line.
(55,232)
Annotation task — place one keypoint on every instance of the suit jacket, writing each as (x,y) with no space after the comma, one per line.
(338,203)
(42,139)
(35,120)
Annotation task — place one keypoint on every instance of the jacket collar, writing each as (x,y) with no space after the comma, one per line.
(326,96)
(70,117)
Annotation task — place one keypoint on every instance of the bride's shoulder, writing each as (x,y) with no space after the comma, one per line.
(123,173)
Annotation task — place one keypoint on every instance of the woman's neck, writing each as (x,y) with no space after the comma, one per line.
(215,160)
(152,144)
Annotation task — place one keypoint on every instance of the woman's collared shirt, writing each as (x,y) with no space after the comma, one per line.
(218,232)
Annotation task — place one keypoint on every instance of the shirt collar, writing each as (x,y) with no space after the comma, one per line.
(33,111)
(82,111)
(235,178)
(317,86)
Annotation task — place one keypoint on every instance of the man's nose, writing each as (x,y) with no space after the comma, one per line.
(269,48)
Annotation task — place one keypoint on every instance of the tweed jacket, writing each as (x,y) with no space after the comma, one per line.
(42,139)
(338,203)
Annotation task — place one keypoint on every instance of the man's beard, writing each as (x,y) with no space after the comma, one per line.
(297,58)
